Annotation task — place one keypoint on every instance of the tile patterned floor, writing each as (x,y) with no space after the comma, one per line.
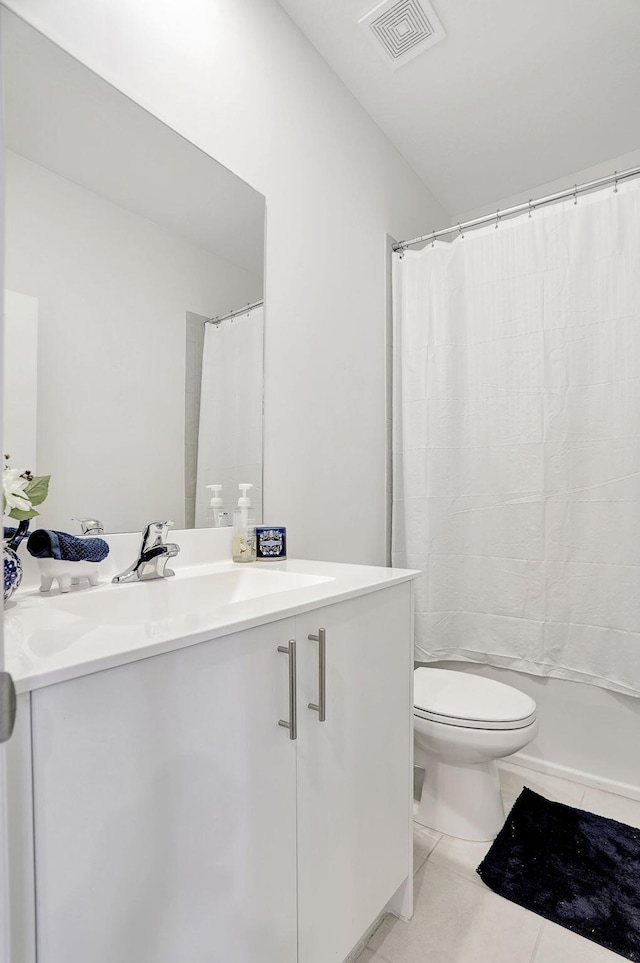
(457,919)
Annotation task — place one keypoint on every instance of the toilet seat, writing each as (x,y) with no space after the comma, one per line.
(470,701)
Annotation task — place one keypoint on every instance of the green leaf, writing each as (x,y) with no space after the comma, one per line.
(21,516)
(37,490)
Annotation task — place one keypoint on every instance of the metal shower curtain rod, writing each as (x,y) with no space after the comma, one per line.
(614,178)
(235,314)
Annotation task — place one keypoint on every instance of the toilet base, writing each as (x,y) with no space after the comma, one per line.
(461,800)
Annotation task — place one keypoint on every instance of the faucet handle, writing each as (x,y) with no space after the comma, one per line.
(155,533)
(90,526)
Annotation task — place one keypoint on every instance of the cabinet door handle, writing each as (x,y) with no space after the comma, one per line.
(292,724)
(321,707)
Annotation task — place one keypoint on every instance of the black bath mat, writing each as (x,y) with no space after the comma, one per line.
(575,868)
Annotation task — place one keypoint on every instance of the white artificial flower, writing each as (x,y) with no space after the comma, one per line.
(13,486)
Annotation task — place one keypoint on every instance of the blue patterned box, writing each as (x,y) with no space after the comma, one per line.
(271,542)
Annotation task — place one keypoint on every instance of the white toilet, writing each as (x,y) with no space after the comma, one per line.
(462,724)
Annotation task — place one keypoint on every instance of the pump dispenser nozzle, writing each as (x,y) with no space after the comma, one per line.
(216,498)
(216,516)
(243,501)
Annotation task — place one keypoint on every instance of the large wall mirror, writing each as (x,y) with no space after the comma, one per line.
(121,239)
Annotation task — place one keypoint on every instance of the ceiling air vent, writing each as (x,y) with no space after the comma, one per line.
(402,29)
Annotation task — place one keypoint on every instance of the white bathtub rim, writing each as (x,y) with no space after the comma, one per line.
(522,760)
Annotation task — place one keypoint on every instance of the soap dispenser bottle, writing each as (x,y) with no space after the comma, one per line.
(244,528)
(216,515)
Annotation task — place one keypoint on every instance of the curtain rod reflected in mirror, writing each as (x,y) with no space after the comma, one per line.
(235,314)
(119,233)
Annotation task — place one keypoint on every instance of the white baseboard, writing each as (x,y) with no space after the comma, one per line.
(361,945)
(522,759)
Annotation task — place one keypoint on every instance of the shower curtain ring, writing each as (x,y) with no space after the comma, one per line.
(575,194)
(433,239)
(497,219)
(460,231)
(615,183)
(531,207)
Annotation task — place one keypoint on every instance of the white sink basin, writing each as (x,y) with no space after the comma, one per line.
(160,599)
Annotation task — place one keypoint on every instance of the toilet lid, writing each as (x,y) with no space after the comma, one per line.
(463,699)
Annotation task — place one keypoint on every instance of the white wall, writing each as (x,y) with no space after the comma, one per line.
(237,78)
(113,291)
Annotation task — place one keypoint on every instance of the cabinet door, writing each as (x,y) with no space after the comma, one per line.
(354,805)
(165,808)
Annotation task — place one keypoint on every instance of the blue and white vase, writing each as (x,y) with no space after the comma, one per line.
(12,563)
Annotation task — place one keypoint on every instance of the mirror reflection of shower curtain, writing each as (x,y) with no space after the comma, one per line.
(230,434)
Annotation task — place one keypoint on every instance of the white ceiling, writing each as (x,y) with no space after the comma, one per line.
(59,114)
(520,93)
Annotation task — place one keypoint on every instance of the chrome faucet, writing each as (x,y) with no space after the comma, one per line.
(154,554)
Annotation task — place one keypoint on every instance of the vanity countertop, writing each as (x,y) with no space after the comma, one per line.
(52,637)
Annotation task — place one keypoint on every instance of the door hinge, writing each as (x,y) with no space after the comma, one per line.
(7,706)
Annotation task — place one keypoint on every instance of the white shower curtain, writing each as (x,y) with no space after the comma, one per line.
(230,433)
(517,441)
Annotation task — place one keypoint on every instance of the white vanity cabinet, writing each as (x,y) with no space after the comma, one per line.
(175,820)
(165,809)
